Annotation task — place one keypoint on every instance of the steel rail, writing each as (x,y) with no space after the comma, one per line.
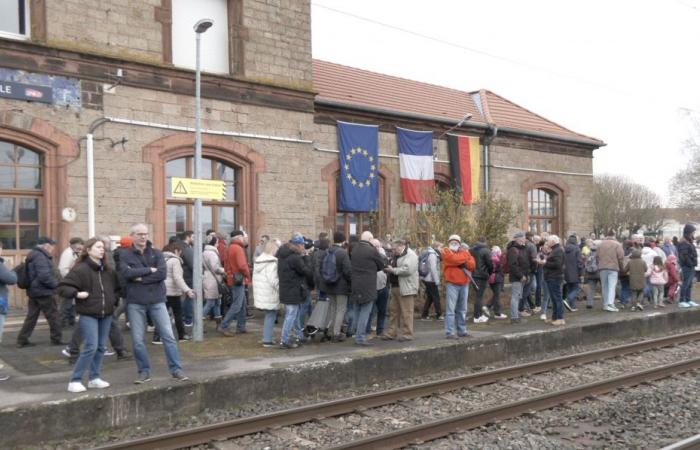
(433,430)
(255,424)
(692,443)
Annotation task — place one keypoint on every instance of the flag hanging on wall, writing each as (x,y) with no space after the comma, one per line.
(416,161)
(359,167)
(465,166)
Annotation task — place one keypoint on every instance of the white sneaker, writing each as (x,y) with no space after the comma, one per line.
(110,353)
(692,303)
(481,319)
(543,316)
(97,383)
(485,310)
(684,305)
(500,316)
(76,386)
(150,328)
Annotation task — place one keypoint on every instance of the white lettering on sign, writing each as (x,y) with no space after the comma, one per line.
(5,89)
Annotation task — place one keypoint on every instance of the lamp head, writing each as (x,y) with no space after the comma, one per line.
(203,25)
(464,119)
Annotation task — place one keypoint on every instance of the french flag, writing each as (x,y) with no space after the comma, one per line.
(416,160)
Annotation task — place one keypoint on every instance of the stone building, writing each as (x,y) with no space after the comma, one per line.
(123,71)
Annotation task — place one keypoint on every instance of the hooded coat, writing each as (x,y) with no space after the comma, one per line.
(175,285)
(687,254)
(213,272)
(266,283)
(573,264)
(637,270)
(295,275)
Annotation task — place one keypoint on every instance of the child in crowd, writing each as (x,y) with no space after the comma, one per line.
(658,279)
(673,278)
(638,272)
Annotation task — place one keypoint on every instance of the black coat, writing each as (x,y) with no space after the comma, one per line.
(143,287)
(43,275)
(554,266)
(482,259)
(518,261)
(101,285)
(687,254)
(295,275)
(366,262)
(573,266)
(344,268)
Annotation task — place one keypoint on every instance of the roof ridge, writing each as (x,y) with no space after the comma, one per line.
(485,104)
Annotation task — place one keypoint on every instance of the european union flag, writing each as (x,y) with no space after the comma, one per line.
(359,167)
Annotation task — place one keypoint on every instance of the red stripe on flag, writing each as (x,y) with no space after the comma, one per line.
(417,191)
(465,169)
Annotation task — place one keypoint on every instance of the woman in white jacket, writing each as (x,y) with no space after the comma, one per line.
(213,275)
(266,289)
(175,288)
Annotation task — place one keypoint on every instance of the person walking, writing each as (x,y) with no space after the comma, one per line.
(43,281)
(144,270)
(553,277)
(213,277)
(7,277)
(688,259)
(483,266)
(366,261)
(266,287)
(518,269)
(456,263)
(175,288)
(65,263)
(94,285)
(295,277)
(610,264)
(237,277)
(573,264)
(403,273)
(335,282)
(431,281)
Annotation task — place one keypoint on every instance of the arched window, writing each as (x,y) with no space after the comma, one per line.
(221,216)
(543,211)
(20,196)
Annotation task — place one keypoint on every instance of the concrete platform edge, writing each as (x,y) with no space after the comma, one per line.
(85,415)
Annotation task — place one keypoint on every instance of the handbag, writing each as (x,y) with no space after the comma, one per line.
(238,279)
(224,291)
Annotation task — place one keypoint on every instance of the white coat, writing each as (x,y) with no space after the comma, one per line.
(266,293)
(211,263)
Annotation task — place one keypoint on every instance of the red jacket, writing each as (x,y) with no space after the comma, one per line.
(236,262)
(453,264)
(672,272)
(221,247)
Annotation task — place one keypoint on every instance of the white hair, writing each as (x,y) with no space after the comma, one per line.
(553,239)
(366,236)
(136,227)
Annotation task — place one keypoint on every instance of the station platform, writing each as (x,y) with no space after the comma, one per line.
(233,371)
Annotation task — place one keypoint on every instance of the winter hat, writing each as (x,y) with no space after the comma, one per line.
(297,238)
(45,240)
(235,233)
(688,229)
(519,235)
(126,241)
(455,237)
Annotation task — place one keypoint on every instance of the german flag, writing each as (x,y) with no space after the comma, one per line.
(465,166)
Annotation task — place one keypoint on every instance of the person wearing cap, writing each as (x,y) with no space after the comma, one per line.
(42,288)
(688,259)
(457,264)
(295,276)
(65,263)
(403,277)
(518,267)
(237,278)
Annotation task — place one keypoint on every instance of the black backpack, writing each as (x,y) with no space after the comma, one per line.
(329,267)
(22,271)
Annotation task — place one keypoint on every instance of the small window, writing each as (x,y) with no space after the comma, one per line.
(14,19)
(214,45)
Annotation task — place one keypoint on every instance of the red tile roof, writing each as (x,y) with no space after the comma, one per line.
(357,87)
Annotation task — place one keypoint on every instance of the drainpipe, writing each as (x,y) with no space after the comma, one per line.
(493,129)
(89,154)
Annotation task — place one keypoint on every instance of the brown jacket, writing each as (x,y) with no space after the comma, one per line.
(610,255)
(637,270)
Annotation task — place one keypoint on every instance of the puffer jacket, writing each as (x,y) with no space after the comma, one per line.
(648,255)
(43,275)
(266,282)
(433,275)
(498,262)
(295,275)
(554,266)
(213,272)
(101,285)
(637,270)
(687,255)
(658,277)
(407,271)
(175,281)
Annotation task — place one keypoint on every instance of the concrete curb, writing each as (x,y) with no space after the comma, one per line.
(89,415)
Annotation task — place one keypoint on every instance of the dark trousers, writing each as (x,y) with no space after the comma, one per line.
(432,297)
(554,286)
(495,303)
(382,303)
(539,290)
(115,338)
(687,286)
(35,306)
(528,289)
(67,312)
(482,284)
(174,303)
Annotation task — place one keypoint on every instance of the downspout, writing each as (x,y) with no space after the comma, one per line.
(493,132)
(89,154)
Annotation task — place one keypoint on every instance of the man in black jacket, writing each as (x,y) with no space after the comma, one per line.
(688,259)
(482,269)
(296,278)
(43,281)
(366,262)
(338,291)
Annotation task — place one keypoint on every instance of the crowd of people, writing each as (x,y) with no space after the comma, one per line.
(333,288)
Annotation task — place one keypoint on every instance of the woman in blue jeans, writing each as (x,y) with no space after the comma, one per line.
(94,286)
(266,288)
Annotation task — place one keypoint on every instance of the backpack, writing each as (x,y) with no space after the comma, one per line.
(329,267)
(591,265)
(22,271)
(423,266)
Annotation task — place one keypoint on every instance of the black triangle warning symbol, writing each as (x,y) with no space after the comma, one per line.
(180,188)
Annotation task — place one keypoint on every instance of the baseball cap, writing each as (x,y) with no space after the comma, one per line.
(297,238)
(455,237)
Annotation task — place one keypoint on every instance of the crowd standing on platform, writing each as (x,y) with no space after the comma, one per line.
(357,287)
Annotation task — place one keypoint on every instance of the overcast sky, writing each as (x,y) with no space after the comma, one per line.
(626,72)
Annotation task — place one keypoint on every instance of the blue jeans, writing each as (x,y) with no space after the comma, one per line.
(546,297)
(269,325)
(382,302)
(95,332)
(361,317)
(304,312)
(188,310)
(592,283)
(625,291)
(212,305)
(608,282)
(573,288)
(456,309)
(539,290)
(2,324)
(291,313)
(237,309)
(161,320)
(516,291)
(528,288)
(687,286)
(554,285)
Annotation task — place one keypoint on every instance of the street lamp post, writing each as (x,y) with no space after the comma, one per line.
(199,28)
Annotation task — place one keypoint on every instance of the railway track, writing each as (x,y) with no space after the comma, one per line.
(434,429)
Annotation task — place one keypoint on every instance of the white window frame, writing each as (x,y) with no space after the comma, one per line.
(27,28)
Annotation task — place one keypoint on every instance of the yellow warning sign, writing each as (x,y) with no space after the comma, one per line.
(193,188)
